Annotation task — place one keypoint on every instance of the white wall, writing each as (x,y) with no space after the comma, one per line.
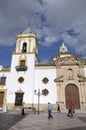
(50,86)
(27,86)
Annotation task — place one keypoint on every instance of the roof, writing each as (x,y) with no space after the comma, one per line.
(27,31)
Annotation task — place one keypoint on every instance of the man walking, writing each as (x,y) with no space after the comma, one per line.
(49,111)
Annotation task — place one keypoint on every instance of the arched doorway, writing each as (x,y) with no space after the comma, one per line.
(72,95)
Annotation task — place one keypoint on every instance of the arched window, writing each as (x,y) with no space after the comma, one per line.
(24,48)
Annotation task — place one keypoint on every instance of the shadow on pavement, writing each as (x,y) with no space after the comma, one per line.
(82,119)
(79,128)
(7,120)
(76,128)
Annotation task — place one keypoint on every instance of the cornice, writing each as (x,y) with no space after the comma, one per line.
(20,53)
(38,66)
(4,70)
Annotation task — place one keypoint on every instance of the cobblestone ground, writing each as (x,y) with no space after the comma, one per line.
(30,121)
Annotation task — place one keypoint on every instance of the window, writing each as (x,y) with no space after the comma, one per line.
(3,80)
(22,63)
(70,74)
(21,79)
(45,80)
(22,66)
(45,92)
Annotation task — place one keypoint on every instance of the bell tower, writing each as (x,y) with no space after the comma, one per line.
(26,42)
(26,46)
(23,62)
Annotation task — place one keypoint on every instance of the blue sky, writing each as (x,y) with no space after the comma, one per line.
(54,22)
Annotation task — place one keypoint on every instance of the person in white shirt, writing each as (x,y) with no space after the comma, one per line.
(49,111)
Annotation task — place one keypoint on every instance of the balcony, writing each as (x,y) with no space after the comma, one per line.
(21,68)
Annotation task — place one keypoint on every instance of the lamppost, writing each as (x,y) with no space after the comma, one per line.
(38,93)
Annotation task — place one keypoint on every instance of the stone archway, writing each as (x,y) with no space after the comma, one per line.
(72,95)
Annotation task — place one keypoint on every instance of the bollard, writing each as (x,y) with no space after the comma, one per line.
(4,109)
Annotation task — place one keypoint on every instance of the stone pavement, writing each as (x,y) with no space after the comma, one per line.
(9,119)
(59,122)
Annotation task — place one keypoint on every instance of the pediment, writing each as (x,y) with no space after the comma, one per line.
(59,79)
(81,78)
(70,60)
(20,91)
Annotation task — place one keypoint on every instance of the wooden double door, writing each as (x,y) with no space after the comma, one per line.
(72,95)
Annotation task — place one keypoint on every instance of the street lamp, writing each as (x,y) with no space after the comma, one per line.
(38,93)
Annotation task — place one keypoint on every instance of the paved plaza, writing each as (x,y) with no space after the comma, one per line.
(30,121)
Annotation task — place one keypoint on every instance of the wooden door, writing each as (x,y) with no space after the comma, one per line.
(18,99)
(1,98)
(72,95)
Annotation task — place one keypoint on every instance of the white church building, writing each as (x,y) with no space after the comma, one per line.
(27,80)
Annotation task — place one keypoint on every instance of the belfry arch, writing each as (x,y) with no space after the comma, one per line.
(72,95)
(24,49)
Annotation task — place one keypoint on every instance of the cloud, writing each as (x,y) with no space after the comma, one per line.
(64,15)
(44,61)
(50,20)
(14,17)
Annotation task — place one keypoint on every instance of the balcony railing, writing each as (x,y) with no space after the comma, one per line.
(21,68)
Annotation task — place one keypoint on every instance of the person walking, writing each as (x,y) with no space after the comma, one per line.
(23,106)
(49,111)
(71,110)
(58,109)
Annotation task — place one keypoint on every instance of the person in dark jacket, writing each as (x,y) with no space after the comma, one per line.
(23,106)
(58,109)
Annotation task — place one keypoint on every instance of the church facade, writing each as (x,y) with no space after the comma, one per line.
(61,81)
